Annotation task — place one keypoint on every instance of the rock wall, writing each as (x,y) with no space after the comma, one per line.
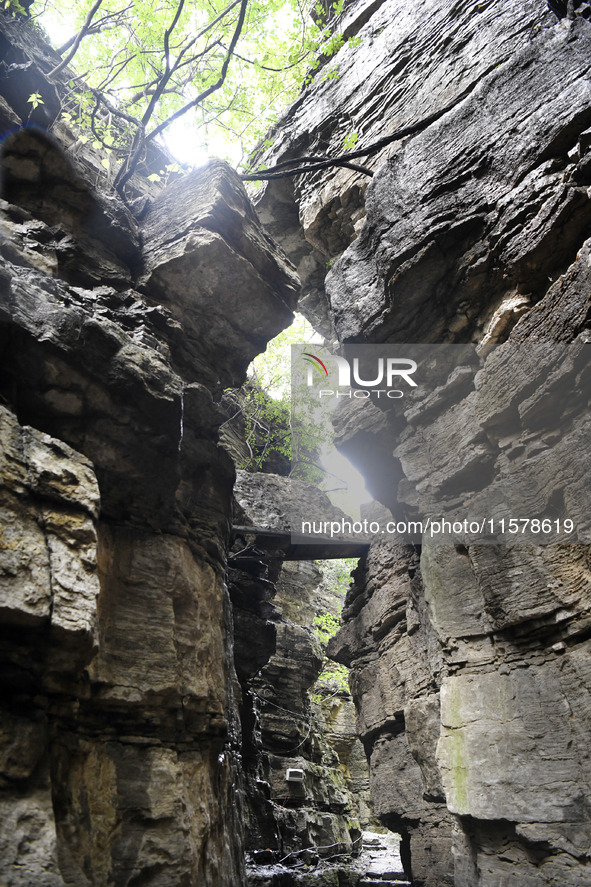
(308,593)
(120,733)
(462,216)
(469,663)
(278,659)
(121,754)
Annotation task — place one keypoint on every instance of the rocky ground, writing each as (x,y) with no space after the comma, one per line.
(377,863)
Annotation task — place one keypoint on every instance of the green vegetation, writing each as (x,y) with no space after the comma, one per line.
(14,7)
(35,100)
(337,573)
(333,678)
(268,422)
(350,141)
(326,626)
(272,369)
(144,67)
(267,427)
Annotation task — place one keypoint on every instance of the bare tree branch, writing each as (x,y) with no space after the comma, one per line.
(77,41)
(112,73)
(96,133)
(39,13)
(218,18)
(282,170)
(96,27)
(215,86)
(183,64)
(167,69)
(265,68)
(201,33)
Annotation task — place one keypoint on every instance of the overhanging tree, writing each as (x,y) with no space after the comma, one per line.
(145,64)
(142,65)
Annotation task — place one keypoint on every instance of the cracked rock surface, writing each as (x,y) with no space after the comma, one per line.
(469,662)
(119,726)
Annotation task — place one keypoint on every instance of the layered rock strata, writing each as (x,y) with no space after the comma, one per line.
(120,738)
(469,662)
(120,742)
(278,659)
(462,215)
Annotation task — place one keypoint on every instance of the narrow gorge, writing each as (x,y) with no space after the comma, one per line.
(163,716)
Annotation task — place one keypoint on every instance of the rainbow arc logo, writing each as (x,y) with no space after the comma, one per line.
(316,362)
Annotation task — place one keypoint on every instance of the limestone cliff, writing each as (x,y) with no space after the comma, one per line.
(120,738)
(130,735)
(470,664)
(278,659)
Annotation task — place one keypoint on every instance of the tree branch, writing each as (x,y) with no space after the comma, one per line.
(112,73)
(96,28)
(96,133)
(215,86)
(282,170)
(319,163)
(265,68)
(115,111)
(161,86)
(204,31)
(162,82)
(77,41)
(149,87)
(140,138)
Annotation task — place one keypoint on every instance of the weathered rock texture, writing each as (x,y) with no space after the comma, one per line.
(470,665)
(119,738)
(278,659)
(463,215)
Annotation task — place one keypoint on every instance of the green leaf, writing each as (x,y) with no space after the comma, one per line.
(14,6)
(35,100)
(350,141)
